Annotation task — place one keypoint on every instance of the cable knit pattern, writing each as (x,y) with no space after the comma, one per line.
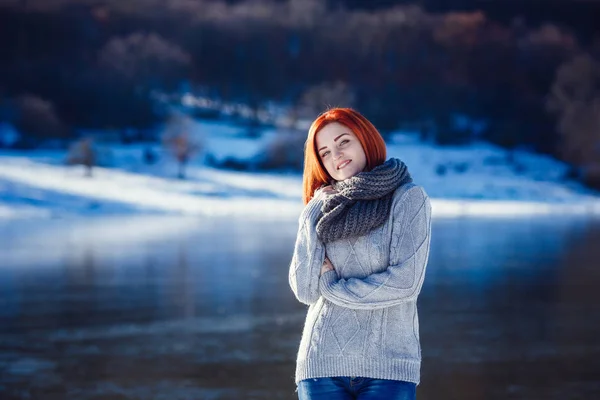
(309,254)
(362,318)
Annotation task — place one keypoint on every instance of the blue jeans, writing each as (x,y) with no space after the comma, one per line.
(350,388)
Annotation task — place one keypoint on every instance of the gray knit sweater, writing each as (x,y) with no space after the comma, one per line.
(362,319)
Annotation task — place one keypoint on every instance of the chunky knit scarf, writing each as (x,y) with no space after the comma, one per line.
(362,202)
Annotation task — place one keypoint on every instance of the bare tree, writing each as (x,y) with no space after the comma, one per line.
(575,99)
(326,95)
(305,13)
(179,142)
(147,59)
(83,152)
(548,35)
(37,118)
(461,29)
(282,152)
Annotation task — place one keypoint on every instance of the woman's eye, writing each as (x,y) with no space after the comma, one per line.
(324,154)
(343,142)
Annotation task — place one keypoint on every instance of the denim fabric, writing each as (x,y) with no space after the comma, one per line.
(355,388)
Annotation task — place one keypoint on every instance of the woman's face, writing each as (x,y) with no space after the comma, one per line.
(340,151)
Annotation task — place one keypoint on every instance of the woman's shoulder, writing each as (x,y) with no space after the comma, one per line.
(318,197)
(410,192)
(313,207)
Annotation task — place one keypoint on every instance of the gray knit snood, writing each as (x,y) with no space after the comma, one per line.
(362,202)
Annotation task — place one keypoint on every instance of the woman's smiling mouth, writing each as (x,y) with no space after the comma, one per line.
(343,164)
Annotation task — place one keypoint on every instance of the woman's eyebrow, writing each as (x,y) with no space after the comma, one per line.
(335,140)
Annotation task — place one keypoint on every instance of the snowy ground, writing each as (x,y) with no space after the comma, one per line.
(475,179)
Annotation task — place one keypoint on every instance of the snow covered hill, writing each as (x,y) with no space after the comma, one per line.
(475,179)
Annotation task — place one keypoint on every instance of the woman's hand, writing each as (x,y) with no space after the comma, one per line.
(327,266)
(328,190)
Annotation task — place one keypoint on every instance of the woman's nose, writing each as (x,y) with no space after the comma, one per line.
(336,154)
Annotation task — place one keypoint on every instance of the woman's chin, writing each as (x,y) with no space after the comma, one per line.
(345,175)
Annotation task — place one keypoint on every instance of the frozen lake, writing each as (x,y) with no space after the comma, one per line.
(193,308)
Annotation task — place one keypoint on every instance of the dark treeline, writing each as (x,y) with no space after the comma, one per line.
(580,15)
(94,64)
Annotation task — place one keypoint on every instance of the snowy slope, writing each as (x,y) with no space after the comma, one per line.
(474,179)
(34,188)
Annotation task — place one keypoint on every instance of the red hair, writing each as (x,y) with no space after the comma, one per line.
(369,137)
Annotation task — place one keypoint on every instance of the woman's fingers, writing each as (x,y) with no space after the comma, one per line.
(327,266)
(329,190)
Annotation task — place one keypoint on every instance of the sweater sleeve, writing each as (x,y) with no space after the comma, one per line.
(401,281)
(309,254)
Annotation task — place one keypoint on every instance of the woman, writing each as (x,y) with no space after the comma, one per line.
(359,263)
